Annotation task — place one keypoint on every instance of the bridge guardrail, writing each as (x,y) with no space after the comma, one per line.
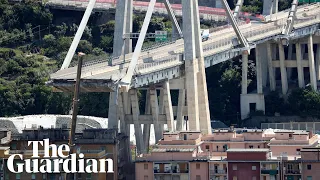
(223,43)
(171,60)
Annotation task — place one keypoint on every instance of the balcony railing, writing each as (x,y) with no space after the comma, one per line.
(170,171)
(293,171)
(269,171)
(218,171)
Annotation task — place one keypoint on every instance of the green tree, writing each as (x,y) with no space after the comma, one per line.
(274,103)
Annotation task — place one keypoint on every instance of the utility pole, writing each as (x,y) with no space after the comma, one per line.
(70,176)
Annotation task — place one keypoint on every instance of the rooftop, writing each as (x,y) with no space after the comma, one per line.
(311,149)
(174,150)
(248,150)
(291,131)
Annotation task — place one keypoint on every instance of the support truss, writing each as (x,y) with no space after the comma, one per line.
(237,9)
(78,35)
(173,17)
(125,82)
(243,41)
(291,17)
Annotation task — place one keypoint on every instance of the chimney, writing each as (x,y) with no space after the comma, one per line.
(310,134)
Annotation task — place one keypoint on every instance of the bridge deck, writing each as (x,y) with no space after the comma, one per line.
(164,62)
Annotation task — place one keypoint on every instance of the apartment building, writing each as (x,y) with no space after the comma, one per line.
(310,158)
(229,154)
(93,143)
(244,164)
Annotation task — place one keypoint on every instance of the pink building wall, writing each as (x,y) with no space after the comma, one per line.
(313,172)
(300,137)
(168,156)
(244,170)
(169,137)
(141,172)
(291,150)
(203,171)
(253,136)
(282,136)
(190,135)
(315,166)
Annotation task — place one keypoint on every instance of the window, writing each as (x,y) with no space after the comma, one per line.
(207,148)
(13,146)
(17,176)
(258,146)
(44,176)
(145,166)
(254,178)
(217,148)
(251,147)
(309,177)
(198,166)
(198,177)
(290,135)
(309,166)
(146,177)
(234,178)
(254,168)
(88,175)
(234,167)
(33,176)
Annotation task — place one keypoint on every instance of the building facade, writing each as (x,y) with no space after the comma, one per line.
(93,143)
(231,155)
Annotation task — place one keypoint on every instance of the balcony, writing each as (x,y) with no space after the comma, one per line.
(218,171)
(293,171)
(169,171)
(269,171)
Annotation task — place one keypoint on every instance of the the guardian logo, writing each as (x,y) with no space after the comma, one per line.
(51,164)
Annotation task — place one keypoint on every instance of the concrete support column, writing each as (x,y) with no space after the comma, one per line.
(155,114)
(259,70)
(272,78)
(203,102)
(123,19)
(244,82)
(129,26)
(161,110)
(121,114)
(124,126)
(191,63)
(137,125)
(192,95)
(269,7)
(146,127)
(299,66)
(127,110)
(318,62)
(113,111)
(283,70)
(313,80)
(168,106)
(181,105)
